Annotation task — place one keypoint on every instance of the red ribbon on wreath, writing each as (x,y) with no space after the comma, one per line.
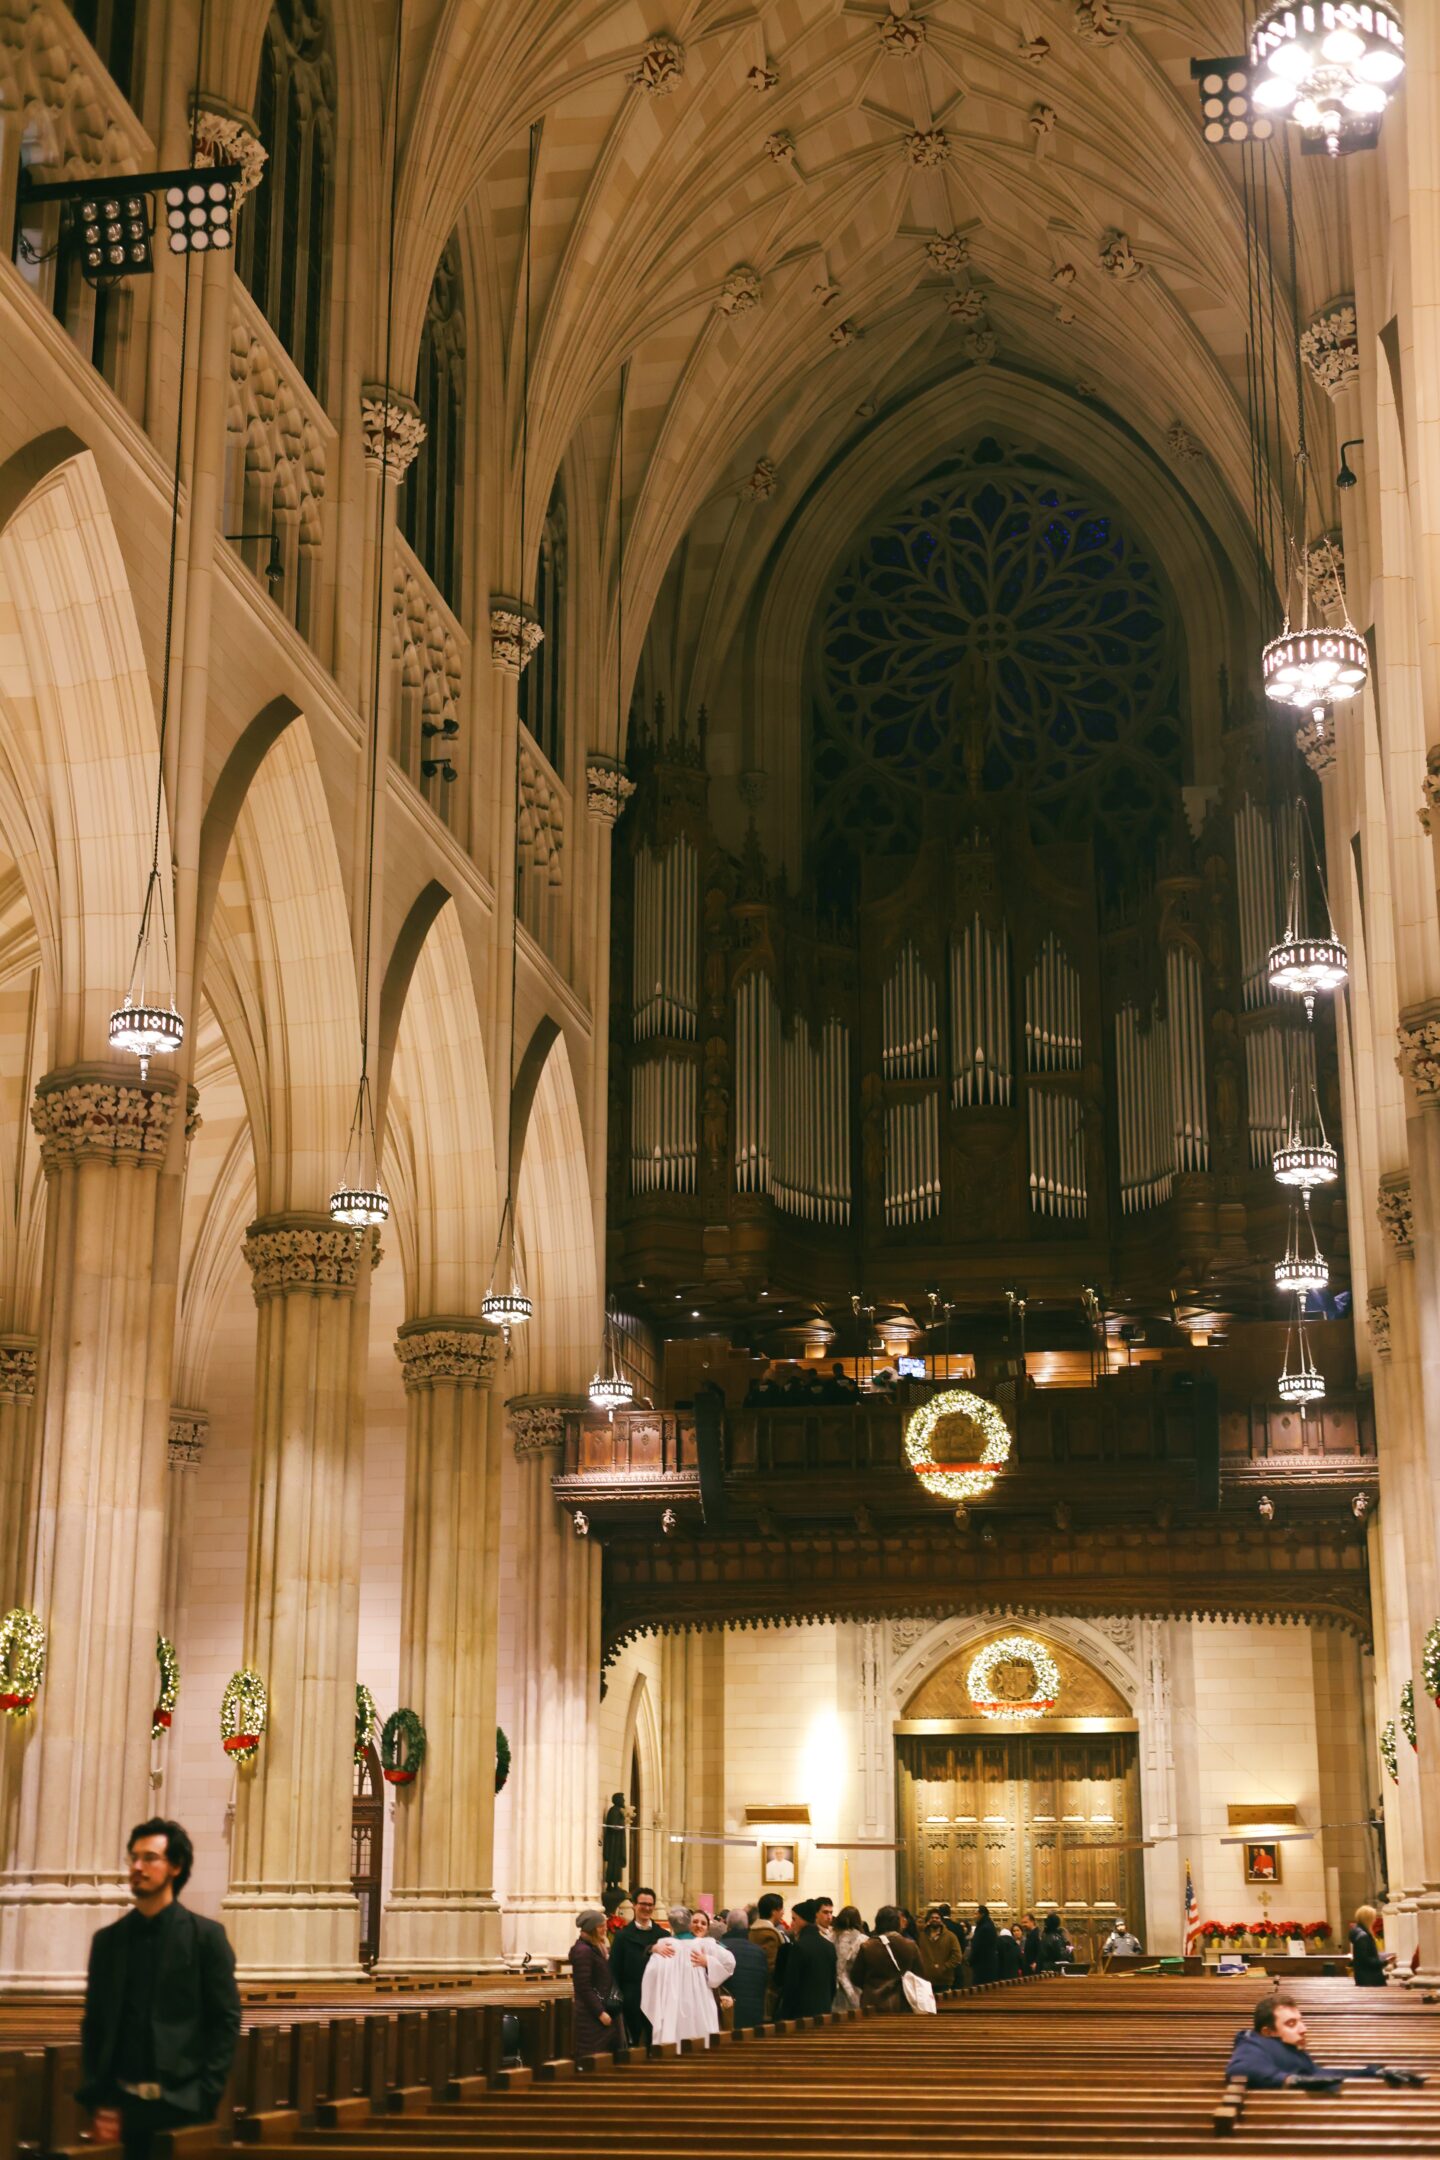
(398,1777)
(239,1742)
(16,1702)
(162,1719)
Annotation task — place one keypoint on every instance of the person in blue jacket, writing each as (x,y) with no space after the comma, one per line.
(1272,2053)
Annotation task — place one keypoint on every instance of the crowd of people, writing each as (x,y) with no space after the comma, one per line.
(647,1980)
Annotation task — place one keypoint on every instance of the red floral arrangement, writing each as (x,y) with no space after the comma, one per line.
(1317,1931)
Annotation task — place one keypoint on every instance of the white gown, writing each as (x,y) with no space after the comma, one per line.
(678,1997)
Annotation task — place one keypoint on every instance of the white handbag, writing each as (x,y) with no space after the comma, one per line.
(918,1992)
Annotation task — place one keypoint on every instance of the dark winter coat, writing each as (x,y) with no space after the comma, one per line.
(1010,1956)
(1263,2058)
(749,1983)
(1365,1960)
(807,1979)
(590,1969)
(873,1972)
(194,2012)
(985,1951)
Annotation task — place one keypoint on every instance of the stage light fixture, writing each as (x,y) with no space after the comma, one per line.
(200,214)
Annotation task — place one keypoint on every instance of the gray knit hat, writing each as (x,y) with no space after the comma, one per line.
(589,1920)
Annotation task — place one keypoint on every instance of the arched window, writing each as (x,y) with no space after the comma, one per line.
(430,498)
(542,686)
(284,236)
(114,28)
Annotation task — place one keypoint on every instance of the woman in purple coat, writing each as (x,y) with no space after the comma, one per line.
(598,2029)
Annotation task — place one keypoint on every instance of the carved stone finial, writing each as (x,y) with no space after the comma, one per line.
(185,1448)
(1330,347)
(927,147)
(1118,259)
(1377,1320)
(87,1112)
(1418,1057)
(536,1428)
(286,1253)
(19,1357)
(660,67)
(608,787)
(224,136)
(1394,1210)
(515,635)
(446,1352)
(740,292)
(391,430)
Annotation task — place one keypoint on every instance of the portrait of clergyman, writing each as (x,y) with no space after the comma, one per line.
(1262,1862)
(780,1864)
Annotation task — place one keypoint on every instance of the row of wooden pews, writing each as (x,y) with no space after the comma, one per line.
(1095,2066)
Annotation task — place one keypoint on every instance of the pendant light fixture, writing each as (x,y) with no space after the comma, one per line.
(1300,1382)
(359,1200)
(1308,668)
(1304,1266)
(1301,965)
(610,1390)
(1307,1158)
(505,1304)
(1331,66)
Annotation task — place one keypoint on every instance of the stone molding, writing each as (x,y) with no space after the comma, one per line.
(185,1449)
(19,1358)
(447,1351)
(226,136)
(391,430)
(91,1114)
(1418,1057)
(1377,1320)
(1330,347)
(1394,1211)
(608,787)
(302,1252)
(515,635)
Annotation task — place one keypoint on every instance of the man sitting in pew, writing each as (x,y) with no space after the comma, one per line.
(1272,2053)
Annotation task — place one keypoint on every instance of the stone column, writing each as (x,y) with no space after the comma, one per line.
(554,1786)
(441,1916)
(78,1765)
(1391,1323)
(291,1912)
(184,1454)
(17,1466)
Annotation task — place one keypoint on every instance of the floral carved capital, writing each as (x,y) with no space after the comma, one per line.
(608,787)
(185,1448)
(1377,1320)
(901,36)
(88,1117)
(18,1360)
(1330,347)
(927,148)
(536,1427)
(740,292)
(446,1353)
(1394,1211)
(1418,1057)
(223,137)
(391,430)
(284,1255)
(515,636)
(948,251)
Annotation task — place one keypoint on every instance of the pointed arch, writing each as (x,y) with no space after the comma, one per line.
(955,1634)
(640,1744)
(555,1226)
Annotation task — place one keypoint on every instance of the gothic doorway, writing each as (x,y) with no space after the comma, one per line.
(632,1835)
(367,1850)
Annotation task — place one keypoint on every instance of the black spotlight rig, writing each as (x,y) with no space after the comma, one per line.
(108,223)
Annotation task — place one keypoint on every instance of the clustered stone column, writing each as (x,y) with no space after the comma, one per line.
(185,1452)
(555,1854)
(290,1909)
(17,1465)
(442,1916)
(77,1775)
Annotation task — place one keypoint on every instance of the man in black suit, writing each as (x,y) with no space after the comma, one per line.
(162,2011)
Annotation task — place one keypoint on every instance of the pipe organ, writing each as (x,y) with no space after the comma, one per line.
(662,1126)
(1142,1079)
(912,1159)
(910,1020)
(1057,1154)
(1053,1039)
(666,955)
(980,1030)
(1278,1060)
(1265,842)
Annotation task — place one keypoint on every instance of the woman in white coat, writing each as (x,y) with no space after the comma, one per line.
(682,1975)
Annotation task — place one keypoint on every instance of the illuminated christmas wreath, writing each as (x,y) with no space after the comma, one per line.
(402,1725)
(244,1714)
(1431,1666)
(1389,1754)
(366,1719)
(1407,1713)
(22,1660)
(975,1442)
(169,1690)
(1014,1650)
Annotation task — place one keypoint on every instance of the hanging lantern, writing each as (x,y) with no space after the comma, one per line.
(1304,1266)
(610,1390)
(145,1026)
(1331,65)
(1301,1383)
(1307,1159)
(358,1201)
(1312,669)
(506,1309)
(1308,967)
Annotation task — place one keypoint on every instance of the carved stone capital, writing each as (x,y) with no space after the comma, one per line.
(391,430)
(18,1358)
(188,1429)
(536,1427)
(1419,1054)
(608,787)
(1325,571)
(91,1113)
(1330,347)
(446,1352)
(302,1252)
(1394,1211)
(515,635)
(1377,1320)
(226,136)
(1430,787)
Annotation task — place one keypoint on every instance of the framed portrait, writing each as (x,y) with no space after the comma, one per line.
(1262,1861)
(780,1863)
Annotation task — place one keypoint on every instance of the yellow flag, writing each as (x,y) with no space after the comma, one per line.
(845,1897)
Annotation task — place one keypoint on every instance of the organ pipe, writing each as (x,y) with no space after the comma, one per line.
(665,997)
(1265,844)
(662,1125)
(1057,1154)
(912,1159)
(909,1020)
(980,1056)
(1053,1033)
(1267,1077)
(1190,1121)
(792,1107)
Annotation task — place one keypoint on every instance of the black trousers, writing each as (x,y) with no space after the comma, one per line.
(637,2025)
(141,2121)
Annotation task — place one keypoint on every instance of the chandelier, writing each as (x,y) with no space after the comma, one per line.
(1301,965)
(1313,669)
(1305,1160)
(610,1390)
(1330,65)
(1303,1382)
(1304,1266)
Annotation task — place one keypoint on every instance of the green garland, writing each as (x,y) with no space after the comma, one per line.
(1388,1753)
(1407,1713)
(169,1693)
(244,1714)
(1431,1665)
(22,1660)
(402,1724)
(502,1759)
(366,1716)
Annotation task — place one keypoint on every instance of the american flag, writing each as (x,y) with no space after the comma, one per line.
(1192,1907)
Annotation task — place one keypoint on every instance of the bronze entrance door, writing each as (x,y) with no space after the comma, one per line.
(1023,1822)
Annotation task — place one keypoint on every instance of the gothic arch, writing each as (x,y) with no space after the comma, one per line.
(951,1637)
(641,1741)
(555,1227)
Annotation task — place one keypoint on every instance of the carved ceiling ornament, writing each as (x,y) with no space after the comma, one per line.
(845,333)
(19,1359)
(1183,444)
(763,77)
(1096,22)
(1042,120)
(391,430)
(948,251)
(901,36)
(1394,1211)
(780,147)
(1118,259)
(660,68)
(284,1255)
(608,787)
(762,482)
(446,1352)
(980,344)
(967,305)
(1330,347)
(740,292)
(84,1114)
(1035,50)
(927,147)
(1377,1320)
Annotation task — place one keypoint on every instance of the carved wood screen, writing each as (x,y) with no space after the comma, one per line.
(367,1851)
(1022,1823)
